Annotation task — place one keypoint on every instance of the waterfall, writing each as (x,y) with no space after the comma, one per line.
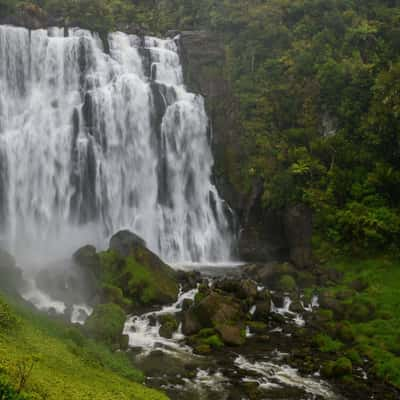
(93,141)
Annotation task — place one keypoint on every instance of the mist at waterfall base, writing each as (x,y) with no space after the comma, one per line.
(92,142)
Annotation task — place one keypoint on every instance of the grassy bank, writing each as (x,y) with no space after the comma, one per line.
(374,311)
(58,362)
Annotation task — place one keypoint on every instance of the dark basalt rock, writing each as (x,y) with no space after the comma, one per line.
(124,243)
(298,230)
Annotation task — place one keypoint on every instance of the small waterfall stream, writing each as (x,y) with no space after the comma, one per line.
(92,142)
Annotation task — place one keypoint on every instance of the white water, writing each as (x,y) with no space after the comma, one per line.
(271,375)
(91,143)
(146,336)
(44,302)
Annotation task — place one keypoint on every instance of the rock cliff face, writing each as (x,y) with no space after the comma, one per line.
(264,235)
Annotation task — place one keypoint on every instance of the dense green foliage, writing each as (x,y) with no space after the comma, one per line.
(42,358)
(376,333)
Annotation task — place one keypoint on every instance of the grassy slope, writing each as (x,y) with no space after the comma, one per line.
(378,338)
(69,366)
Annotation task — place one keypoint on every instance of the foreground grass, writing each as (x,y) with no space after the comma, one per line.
(66,365)
(379,337)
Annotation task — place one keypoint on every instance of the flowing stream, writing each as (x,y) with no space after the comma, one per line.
(94,141)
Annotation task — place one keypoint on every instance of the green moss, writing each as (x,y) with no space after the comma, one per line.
(113,294)
(287,283)
(376,321)
(140,283)
(203,349)
(342,367)
(354,356)
(106,323)
(213,341)
(326,344)
(206,332)
(324,315)
(345,331)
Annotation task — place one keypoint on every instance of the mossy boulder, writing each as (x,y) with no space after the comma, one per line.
(286,284)
(233,335)
(216,311)
(144,279)
(86,256)
(203,349)
(106,323)
(328,300)
(361,310)
(359,284)
(342,367)
(169,325)
(262,311)
(296,306)
(345,332)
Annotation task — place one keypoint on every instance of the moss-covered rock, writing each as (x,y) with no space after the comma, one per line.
(169,325)
(345,332)
(342,367)
(203,349)
(287,284)
(142,276)
(106,323)
(257,327)
(233,335)
(216,309)
(361,310)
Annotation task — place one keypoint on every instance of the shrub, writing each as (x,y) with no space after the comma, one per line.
(7,319)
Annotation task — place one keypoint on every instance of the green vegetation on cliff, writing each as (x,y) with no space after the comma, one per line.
(45,359)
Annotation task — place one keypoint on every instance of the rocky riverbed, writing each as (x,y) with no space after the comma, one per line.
(259,331)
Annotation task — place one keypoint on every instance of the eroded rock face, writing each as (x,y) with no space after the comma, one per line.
(298,230)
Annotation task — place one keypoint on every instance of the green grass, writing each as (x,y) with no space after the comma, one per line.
(67,365)
(378,338)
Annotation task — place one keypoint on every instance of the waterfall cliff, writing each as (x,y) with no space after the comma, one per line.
(96,139)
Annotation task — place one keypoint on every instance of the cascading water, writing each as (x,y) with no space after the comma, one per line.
(92,142)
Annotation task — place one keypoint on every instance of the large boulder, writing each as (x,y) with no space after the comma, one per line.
(221,312)
(217,309)
(124,243)
(142,276)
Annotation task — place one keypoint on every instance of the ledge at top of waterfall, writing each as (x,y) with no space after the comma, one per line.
(92,142)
